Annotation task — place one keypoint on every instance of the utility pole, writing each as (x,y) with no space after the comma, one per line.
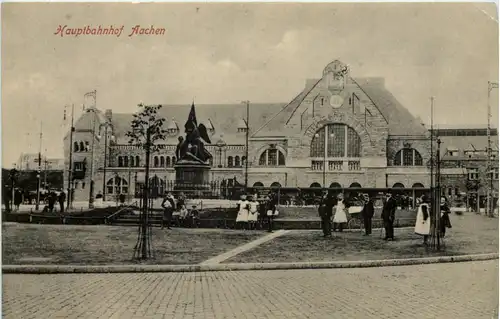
(70,169)
(91,190)
(246,144)
(37,206)
(489,208)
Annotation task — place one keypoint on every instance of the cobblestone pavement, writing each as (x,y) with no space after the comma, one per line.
(457,290)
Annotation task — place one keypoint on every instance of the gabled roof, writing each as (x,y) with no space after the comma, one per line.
(401,121)
(223,117)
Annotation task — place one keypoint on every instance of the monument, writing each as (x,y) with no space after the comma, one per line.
(193,160)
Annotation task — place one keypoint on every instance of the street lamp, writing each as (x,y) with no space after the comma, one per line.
(105,125)
(332,135)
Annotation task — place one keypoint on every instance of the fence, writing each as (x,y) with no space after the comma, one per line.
(299,196)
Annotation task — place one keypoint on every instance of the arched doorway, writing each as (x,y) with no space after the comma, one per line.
(315,185)
(398,185)
(354,191)
(275,185)
(258,184)
(335,188)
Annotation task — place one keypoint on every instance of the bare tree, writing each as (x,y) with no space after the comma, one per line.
(146,131)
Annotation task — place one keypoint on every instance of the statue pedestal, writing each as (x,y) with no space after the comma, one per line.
(192,178)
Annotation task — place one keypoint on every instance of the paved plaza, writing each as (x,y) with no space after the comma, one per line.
(455,290)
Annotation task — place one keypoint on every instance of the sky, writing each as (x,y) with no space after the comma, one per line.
(227,53)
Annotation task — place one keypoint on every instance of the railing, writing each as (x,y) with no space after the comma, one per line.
(336,165)
(113,216)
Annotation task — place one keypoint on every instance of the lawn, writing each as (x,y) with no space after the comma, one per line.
(471,234)
(100,245)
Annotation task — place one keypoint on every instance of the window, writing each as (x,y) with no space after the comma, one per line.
(137,161)
(229,161)
(494,173)
(132,161)
(452,152)
(120,161)
(82,147)
(472,174)
(173,160)
(75,147)
(243,160)
(155,160)
(87,146)
(116,186)
(237,161)
(272,157)
(168,161)
(337,140)
(157,185)
(408,157)
(125,161)
(162,161)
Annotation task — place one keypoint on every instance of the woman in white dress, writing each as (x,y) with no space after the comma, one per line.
(242,218)
(253,213)
(423,222)
(340,218)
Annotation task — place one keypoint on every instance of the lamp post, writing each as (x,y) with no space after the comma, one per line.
(105,125)
(489,211)
(246,143)
(70,168)
(325,147)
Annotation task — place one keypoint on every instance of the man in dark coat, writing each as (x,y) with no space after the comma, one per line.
(389,215)
(62,199)
(271,205)
(325,210)
(367,213)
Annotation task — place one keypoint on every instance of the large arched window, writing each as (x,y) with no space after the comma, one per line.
(155,160)
(229,161)
(137,161)
(116,186)
(162,161)
(132,163)
(168,161)
(125,161)
(237,161)
(337,141)
(408,157)
(272,157)
(120,161)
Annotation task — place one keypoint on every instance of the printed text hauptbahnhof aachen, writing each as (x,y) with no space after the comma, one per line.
(117,31)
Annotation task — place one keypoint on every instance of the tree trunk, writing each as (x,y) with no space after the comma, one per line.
(145,201)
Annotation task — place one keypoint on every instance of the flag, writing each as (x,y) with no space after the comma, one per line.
(494,85)
(92,96)
(191,122)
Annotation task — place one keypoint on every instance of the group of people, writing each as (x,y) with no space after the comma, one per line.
(251,211)
(176,211)
(334,209)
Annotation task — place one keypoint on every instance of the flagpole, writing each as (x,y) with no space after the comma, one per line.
(70,170)
(91,189)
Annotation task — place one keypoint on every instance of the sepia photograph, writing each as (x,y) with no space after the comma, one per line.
(250,160)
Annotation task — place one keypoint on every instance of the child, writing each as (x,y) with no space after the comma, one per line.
(242,218)
(253,212)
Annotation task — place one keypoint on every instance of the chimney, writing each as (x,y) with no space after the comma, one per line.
(109,115)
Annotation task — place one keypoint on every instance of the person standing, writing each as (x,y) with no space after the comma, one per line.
(423,222)
(242,218)
(253,212)
(389,215)
(271,211)
(367,213)
(325,213)
(61,198)
(340,218)
(444,217)
(168,205)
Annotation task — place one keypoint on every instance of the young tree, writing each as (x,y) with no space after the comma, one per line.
(146,130)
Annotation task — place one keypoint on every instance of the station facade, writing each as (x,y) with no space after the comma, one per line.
(339,131)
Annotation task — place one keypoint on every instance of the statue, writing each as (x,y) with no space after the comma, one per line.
(192,148)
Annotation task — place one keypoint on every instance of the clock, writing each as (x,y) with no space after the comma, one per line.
(336,101)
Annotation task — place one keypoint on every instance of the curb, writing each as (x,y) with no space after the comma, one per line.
(68,269)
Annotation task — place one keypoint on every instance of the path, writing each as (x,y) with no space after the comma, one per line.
(444,291)
(238,250)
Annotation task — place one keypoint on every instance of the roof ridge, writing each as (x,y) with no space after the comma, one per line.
(275,115)
(312,87)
